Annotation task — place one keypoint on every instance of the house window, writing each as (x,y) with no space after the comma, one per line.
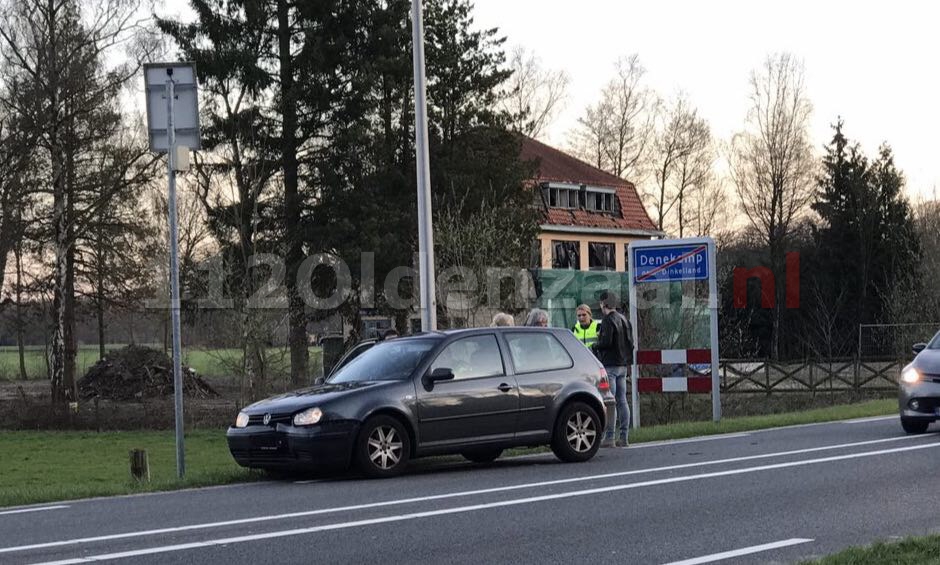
(601,256)
(597,201)
(566,255)
(563,197)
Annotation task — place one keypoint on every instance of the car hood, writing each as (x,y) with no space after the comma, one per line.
(928,361)
(306,397)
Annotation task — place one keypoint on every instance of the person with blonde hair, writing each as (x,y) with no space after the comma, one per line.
(585,329)
(503,319)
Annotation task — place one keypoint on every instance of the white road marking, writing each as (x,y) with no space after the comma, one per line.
(38,509)
(690,440)
(873,419)
(475,507)
(371,505)
(739,552)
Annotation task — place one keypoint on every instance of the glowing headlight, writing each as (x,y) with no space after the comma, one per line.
(910,375)
(242,420)
(308,417)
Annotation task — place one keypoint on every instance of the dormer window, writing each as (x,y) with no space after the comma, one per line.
(599,199)
(563,196)
(580,197)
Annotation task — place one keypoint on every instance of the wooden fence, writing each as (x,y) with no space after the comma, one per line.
(742,376)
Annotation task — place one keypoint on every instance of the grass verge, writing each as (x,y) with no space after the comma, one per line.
(48,466)
(909,551)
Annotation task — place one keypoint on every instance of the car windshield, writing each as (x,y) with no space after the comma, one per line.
(391,360)
(935,342)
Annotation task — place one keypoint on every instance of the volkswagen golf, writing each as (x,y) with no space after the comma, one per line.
(473,392)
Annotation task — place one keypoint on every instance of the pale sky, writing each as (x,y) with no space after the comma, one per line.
(878,66)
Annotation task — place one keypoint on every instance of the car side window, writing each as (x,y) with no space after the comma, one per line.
(532,352)
(471,357)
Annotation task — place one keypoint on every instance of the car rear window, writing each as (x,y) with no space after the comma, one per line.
(532,352)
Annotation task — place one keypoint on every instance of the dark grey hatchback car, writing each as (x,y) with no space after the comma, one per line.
(474,392)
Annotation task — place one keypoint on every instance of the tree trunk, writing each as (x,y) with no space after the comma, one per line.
(297,336)
(20,341)
(60,221)
(99,296)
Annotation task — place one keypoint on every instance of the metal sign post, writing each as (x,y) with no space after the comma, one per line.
(425,227)
(176,78)
(668,261)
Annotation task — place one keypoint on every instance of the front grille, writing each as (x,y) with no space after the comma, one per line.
(257,456)
(258,419)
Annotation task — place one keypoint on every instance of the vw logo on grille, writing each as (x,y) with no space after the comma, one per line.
(267,419)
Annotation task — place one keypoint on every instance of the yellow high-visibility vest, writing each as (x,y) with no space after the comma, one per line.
(586,336)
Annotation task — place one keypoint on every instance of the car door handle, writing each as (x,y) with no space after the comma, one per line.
(505,387)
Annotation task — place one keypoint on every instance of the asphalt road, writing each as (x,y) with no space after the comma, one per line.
(774,496)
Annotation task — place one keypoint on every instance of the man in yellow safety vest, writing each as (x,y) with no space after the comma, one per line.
(586,328)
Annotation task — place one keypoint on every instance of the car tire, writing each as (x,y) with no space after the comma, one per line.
(483,455)
(577,434)
(382,447)
(914,425)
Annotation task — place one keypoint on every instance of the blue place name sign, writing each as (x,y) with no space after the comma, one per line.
(667,264)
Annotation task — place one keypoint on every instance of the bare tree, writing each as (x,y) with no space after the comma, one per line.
(533,95)
(618,130)
(772,164)
(682,158)
(55,52)
(706,208)
(14,197)
(589,139)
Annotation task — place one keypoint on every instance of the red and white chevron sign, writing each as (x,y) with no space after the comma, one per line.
(673,356)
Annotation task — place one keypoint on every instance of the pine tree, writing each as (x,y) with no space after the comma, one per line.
(866,239)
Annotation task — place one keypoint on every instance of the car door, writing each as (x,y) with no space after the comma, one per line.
(542,366)
(480,403)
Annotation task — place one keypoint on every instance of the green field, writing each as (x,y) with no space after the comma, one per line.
(47,466)
(910,551)
(43,466)
(207,362)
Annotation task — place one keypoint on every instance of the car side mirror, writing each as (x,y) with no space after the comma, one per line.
(441,374)
(319,381)
(918,347)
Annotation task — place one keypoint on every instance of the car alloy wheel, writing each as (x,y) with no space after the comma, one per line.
(577,432)
(385,447)
(582,432)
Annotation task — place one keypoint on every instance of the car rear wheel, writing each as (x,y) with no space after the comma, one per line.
(577,433)
(914,426)
(383,447)
(487,455)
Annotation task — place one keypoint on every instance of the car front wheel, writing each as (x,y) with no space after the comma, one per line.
(577,433)
(914,426)
(382,448)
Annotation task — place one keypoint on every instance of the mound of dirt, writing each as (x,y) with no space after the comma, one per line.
(138,372)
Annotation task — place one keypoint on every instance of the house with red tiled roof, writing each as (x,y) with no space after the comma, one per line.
(589,216)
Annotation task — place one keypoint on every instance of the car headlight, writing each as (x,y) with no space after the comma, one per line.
(242,420)
(308,417)
(910,375)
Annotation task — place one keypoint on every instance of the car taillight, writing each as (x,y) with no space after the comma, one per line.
(603,384)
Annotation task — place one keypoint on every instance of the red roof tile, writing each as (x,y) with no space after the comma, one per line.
(556,166)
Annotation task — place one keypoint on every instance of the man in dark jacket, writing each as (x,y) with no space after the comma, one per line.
(614,349)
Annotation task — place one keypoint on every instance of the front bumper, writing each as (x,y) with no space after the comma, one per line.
(325,445)
(927,396)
